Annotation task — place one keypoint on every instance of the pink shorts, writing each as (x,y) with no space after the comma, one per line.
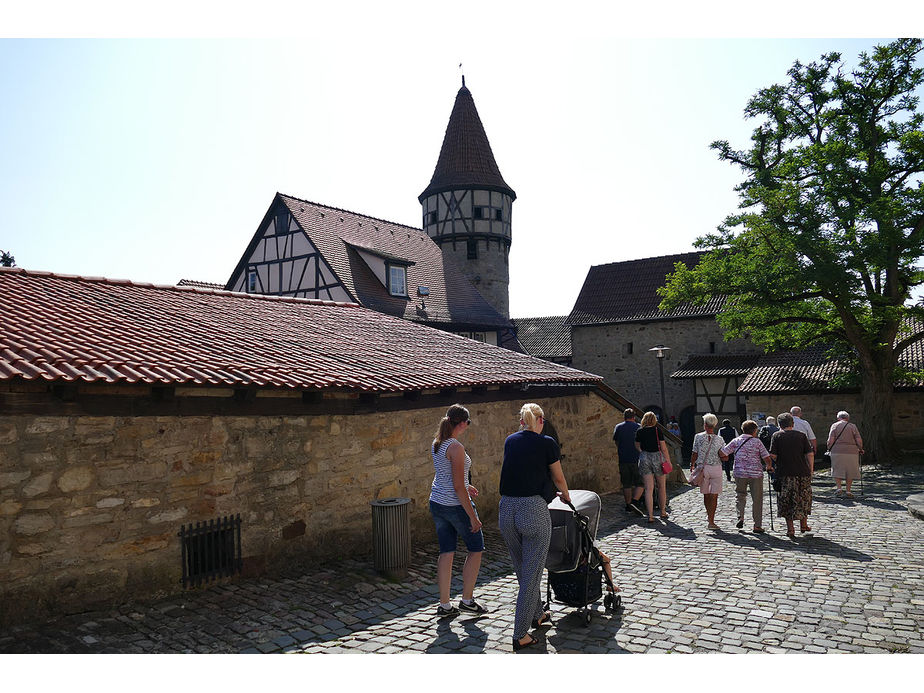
(712,479)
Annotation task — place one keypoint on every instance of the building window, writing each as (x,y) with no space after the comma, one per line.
(397,280)
(472,249)
(252,280)
(479,212)
(431,217)
(628,349)
(498,215)
(711,347)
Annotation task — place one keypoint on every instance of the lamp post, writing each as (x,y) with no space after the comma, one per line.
(659,350)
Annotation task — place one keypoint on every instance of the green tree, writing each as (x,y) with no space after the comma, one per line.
(825,247)
(7,260)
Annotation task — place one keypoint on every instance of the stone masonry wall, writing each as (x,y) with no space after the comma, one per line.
(602,349)
(90,507)
(820,410)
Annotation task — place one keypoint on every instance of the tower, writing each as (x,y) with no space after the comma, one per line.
(467,205)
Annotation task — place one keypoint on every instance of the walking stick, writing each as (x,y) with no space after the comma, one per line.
(860,467)
(770,496)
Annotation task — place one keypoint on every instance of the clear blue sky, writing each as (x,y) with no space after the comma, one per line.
(154,160)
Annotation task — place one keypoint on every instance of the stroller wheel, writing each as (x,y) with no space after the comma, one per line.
(588,614)
(608,602)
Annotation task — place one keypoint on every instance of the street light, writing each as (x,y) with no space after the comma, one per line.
(659,350)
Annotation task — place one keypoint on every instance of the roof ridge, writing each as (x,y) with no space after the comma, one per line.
(172,287)
(653,257)
(349,211)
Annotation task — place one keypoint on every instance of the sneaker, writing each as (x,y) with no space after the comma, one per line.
(451,611)
(473,608)
(740,523)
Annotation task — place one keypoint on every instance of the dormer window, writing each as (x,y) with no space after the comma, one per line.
(397,280)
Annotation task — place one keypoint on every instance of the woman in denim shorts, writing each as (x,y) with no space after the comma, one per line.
(454,513)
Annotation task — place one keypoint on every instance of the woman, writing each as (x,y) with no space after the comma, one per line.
(845,447)
(794,462)
(706,446)
(525,523)
(453,511)
(651,448)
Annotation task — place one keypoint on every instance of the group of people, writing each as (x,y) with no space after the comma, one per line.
(531,475)
(785,448)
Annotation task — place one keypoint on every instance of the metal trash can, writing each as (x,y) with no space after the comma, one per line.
(391,536)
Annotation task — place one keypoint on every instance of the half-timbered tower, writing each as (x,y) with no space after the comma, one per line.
(467,205)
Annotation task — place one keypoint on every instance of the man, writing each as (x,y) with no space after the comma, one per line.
(794,462)
(803,426)
(624,437)
(767,431)
(728,434)
(751,460)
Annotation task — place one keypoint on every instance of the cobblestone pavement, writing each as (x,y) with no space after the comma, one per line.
(856,585)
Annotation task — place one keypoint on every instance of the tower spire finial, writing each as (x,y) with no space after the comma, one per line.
(463,74)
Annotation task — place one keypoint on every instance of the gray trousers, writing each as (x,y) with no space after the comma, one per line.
(756,487)
(526,525)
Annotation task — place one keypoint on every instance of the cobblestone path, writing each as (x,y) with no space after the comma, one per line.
(855,585)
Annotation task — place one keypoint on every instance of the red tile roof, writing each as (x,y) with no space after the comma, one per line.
(466,159)
(547,338)
(627,292)
(453,300)
(56,327)
(716,366)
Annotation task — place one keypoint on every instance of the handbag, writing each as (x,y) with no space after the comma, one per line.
(665,463)
(696,476)
(827,454)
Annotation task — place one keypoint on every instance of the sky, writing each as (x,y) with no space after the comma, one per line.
(154,159)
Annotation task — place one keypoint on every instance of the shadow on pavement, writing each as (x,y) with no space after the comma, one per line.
(446,638)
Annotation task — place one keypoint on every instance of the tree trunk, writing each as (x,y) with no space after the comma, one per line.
(877,397)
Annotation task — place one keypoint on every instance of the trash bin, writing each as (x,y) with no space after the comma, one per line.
(391,536)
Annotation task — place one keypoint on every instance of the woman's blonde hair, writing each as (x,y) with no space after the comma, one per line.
(710,420)
(455,415)
(529,413)
(649,419)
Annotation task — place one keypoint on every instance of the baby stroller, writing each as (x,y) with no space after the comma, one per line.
(575,569)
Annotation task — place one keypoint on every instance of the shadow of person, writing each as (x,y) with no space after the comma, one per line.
(447,639)
(573,635)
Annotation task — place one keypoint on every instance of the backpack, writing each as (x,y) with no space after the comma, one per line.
(765,435)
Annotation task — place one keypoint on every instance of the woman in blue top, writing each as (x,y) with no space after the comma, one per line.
(525,523)
(453,511)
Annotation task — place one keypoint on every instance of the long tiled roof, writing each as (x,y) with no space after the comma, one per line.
(466,159)
(547,338)
(56,327)
(337,233)
(716,366)
(627,292)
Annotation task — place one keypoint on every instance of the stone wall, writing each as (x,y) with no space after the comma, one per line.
(604,350)
(90,506)
(820,410)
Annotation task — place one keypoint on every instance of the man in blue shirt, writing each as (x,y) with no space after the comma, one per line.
(624,437)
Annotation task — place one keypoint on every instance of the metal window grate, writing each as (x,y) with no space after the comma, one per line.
(211,550)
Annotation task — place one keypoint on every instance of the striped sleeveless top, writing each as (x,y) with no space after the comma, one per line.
(441,490)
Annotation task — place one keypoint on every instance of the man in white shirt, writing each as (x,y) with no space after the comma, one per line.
(802,425)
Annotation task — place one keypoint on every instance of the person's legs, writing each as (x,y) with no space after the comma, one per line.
(757,501)
(741,499)
(712,502)
(444,575)
(662,493)
(648,480)
(534,525)
(470,574)
(639,492)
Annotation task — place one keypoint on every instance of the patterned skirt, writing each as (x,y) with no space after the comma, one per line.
(795,497)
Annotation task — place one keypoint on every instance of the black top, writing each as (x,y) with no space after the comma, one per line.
(728,433)
(647,436)
(624,437)
(790,448)
(527,458)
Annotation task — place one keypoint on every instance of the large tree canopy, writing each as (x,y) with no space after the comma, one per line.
(827,243)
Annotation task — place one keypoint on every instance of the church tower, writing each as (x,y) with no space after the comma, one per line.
(467,205)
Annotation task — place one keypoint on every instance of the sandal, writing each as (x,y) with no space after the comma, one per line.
(805,529)
(650,520)
(544,620)
(517,645)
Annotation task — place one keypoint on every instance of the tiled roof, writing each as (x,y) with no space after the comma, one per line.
(809,370)
(200,285)
(55,327)
(547,338)
(453,299)
(466,159)
(627,292)
(716,366)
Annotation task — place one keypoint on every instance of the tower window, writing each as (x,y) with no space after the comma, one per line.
(628,348)
(498,215)
(397,280)
(479,212)
(431,218)
(472,249)
(711,347)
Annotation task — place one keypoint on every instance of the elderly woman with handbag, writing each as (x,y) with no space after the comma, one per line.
(707,474)
(653,463)
(844,446)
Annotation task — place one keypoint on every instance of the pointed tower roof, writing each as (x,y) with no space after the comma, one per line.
(466,159)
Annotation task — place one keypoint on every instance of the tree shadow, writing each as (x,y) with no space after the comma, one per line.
(448,639)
